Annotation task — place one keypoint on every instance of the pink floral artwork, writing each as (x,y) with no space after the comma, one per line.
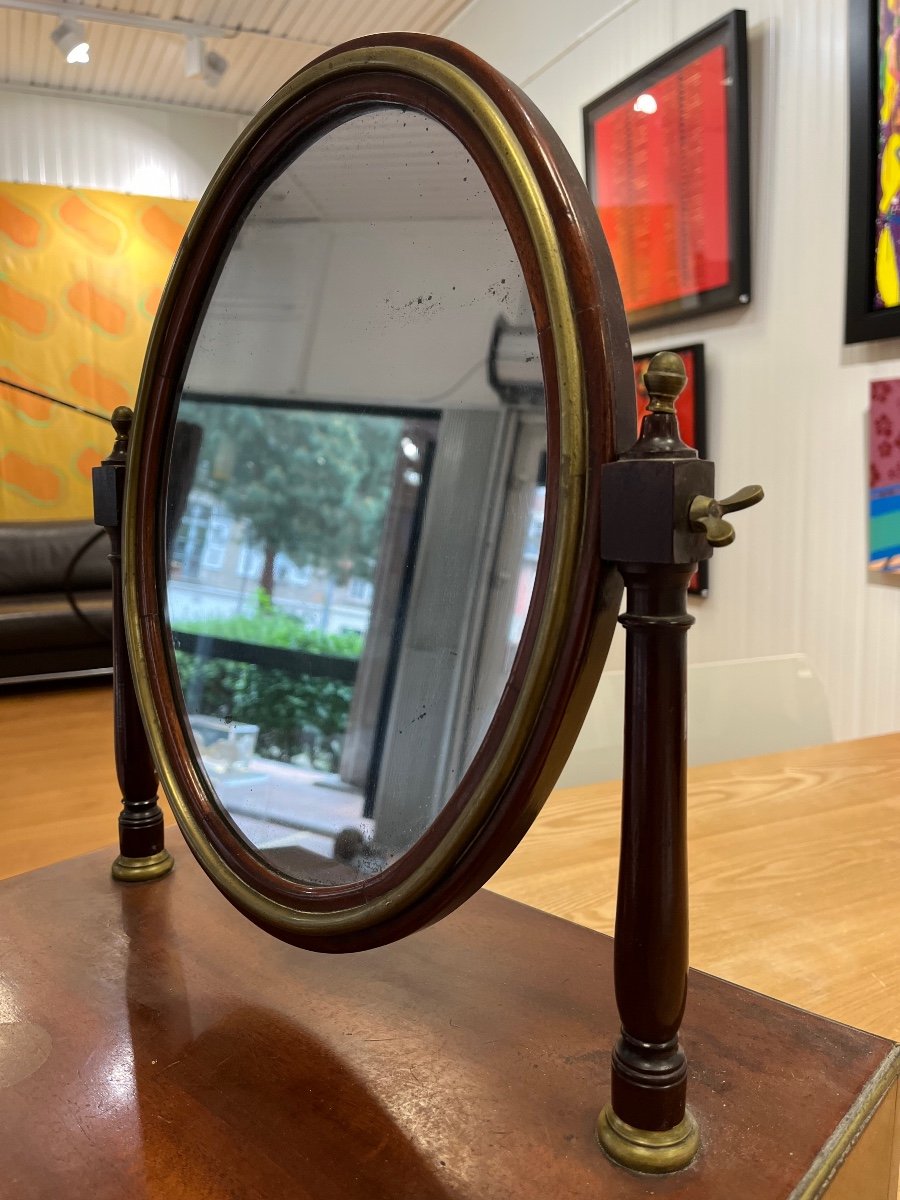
(884,477)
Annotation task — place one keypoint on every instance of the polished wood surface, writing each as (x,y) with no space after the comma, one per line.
(793,861)
(156,1044)
(59,795)
(793,857)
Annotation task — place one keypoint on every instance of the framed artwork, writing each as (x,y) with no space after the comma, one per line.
(873,229)
(667,157)
(884,481)
(81,276)
(691,420)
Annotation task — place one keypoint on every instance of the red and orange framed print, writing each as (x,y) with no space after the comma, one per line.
(691,420)
(667,157)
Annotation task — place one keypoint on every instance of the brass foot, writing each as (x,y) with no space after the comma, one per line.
(138,870)
(651,1151)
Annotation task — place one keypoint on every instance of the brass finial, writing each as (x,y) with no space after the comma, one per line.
(121,422)
(665,379)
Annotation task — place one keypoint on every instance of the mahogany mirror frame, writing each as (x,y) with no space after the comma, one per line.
(590,412)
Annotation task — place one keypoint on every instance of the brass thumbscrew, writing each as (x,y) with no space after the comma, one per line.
(706,513)
(665,380)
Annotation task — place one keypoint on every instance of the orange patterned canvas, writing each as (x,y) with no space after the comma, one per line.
(81,274)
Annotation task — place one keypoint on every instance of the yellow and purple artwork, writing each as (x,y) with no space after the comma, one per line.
(887,217)
(884,478)
(81,275)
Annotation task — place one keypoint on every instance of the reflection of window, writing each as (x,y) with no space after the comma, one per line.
(527,566)
(533,536)
(250,562)
(286,569)
(213,556)
(201,540)
(360,590)
(217,534)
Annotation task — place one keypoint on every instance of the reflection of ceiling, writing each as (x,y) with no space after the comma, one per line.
(386,166)
(274,38)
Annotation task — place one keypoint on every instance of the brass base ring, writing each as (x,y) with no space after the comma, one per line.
(655,1152)
(138,870)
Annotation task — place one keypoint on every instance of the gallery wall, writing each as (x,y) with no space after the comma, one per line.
(81,274)
(81,277)
(786,399)
(74,142)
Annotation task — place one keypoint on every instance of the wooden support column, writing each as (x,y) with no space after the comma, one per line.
(659,520)
(649,1068)
(142,851)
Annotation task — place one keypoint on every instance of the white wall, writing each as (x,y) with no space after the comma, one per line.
(787,400)
(72,142)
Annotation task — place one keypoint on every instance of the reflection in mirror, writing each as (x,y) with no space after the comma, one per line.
(356,497)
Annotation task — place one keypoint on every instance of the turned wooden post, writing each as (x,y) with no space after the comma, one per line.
(659,520)
(142,851)
(649,1076)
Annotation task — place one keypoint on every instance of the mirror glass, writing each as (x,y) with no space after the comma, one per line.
(356,497)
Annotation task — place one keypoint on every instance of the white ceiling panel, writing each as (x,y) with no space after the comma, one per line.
(414,170)
(270,40)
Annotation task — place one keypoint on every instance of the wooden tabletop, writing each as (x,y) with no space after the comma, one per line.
(794,857)
(58,785)
(794,870)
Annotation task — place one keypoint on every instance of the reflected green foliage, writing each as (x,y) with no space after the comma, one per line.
(270,627)
(312,485)
(294,712)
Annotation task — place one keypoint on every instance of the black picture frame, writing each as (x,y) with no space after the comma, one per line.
(692,419)
(729,32)
(864,321)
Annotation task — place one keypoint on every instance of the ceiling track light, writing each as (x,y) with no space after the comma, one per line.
(70,39)
(194,53)
(214,68)
(200,63)
(66,9)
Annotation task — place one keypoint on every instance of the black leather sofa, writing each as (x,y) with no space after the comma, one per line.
(55,601)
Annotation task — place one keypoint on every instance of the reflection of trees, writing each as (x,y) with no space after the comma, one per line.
(311,485)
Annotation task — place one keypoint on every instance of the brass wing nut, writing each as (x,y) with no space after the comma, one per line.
(706,514)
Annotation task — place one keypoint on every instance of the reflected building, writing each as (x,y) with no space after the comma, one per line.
(216,569)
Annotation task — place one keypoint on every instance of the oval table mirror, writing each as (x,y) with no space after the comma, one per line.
(364,588)
(368,591)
